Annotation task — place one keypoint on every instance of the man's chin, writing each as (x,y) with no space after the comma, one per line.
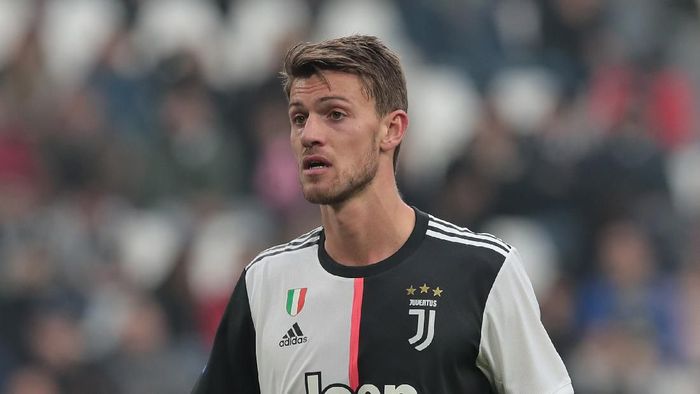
(323,197)
(320,198)
(335,195)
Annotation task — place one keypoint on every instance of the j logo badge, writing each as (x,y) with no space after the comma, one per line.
(423,340)
(425,310)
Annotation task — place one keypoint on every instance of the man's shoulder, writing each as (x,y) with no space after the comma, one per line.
(301,242)
(465,240)
(463,261)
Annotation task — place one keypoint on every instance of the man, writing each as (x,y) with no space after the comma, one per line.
(382,298)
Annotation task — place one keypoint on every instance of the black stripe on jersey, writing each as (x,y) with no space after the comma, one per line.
(297,329)
(470,238)
(459,240)
(296,241)
(310,242)
(466,230)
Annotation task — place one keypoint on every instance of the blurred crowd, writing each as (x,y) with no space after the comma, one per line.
(144,161)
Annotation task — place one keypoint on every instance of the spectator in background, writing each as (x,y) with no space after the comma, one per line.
(148,360)
(32,380)
(199,156)
(629,289)
(56,345)
(627,315)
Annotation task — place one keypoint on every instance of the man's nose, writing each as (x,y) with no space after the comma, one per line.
(312,133)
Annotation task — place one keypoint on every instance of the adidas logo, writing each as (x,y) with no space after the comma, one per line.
(294,336)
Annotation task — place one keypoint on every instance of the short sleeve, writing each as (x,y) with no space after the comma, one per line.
(232,365)
(516,353)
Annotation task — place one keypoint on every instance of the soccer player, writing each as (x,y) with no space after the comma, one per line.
(383,298)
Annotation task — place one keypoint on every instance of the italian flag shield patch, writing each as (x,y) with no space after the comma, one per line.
(295,300)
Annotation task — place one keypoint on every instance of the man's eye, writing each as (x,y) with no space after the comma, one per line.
(337,115)
(298,119)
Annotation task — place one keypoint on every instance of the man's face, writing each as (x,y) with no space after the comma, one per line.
(334,129)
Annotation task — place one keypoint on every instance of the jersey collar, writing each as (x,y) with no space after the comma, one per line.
(411,244)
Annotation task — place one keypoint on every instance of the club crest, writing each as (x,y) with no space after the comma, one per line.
(423,303)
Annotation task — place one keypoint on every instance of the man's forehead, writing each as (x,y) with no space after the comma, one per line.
(334,83)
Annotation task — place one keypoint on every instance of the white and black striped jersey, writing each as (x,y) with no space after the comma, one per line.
(450,312)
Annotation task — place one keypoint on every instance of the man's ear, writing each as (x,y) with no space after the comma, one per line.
(396,123)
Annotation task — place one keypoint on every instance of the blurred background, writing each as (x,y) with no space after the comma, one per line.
(144,161)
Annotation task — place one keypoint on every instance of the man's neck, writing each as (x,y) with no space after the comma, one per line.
(367,229)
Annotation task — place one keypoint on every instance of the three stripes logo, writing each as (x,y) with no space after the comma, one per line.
(294,336)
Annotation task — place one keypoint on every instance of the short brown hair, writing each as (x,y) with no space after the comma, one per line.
(367,57)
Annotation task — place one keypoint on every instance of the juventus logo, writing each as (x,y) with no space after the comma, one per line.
(425,328)
(425,331)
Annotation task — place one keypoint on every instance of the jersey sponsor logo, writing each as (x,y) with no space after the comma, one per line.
(294,336)
(295,300)
(425,311)
(313,385)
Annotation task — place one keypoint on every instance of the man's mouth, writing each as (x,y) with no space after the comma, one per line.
(315,163)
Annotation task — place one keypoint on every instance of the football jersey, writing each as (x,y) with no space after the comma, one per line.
(451,311)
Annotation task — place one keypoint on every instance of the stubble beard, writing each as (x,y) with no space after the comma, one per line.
(356,182)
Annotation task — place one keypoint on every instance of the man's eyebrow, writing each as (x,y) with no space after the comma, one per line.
(329,98)
(321,100)
(295,104)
